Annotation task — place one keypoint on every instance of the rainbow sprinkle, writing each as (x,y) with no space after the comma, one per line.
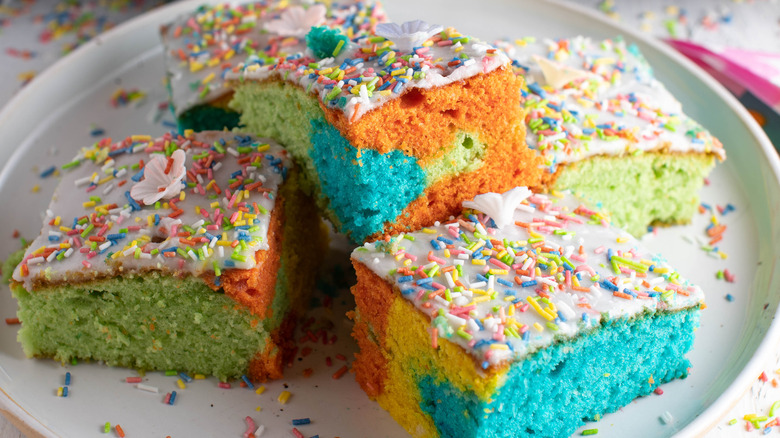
(122,97)
(218,220)
(614,106)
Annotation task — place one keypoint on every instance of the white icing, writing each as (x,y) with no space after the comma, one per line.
(210,218)
(431,64)
(599,85)
(500,311)
(201,47)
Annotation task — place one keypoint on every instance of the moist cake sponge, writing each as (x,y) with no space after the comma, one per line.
(197,278)
(392,126)
(466,330)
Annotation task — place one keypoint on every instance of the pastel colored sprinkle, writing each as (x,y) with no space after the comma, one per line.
(119,431)
(250,427)
(301,421)
(590,432)
(122,97)
(48,172)
(248,383)
(774,408)
(147,388)
(297,433)
(107,427)
(340,372)
(284,397)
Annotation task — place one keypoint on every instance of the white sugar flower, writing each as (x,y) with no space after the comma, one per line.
(296,21)
(408,35)
(500,207)
(556,74)
(157,183)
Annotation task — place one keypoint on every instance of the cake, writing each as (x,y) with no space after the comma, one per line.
(201,46)
(392,125)
(608,130)
(521,317)
(191,253)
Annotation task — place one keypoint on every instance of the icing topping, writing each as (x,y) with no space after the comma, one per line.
(586,98)
(368,69)
(189,204)
(261,40)
(558,270)
(201,47)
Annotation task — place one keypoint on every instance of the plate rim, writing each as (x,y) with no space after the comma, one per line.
(708,419)
(698,426)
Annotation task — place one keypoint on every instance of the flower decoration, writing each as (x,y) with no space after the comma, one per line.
(408,35)
(500,207)
(296,21)
(556,74)
(162,178)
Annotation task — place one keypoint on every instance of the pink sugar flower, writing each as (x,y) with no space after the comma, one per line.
(161,180)
(296,21)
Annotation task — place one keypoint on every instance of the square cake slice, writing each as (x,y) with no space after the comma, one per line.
(523,321)
(608,130)
(392,125)
(192,253)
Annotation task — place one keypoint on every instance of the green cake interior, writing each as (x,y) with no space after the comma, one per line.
(148,321)
(284,113)
(153,321)
(358,190)
(648,188)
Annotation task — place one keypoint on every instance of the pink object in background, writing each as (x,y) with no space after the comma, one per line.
(738,70)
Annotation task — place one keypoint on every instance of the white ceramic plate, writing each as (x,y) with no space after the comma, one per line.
(50,119)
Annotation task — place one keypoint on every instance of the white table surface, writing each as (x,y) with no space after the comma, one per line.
(21,32)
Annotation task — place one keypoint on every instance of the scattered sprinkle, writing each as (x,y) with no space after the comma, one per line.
(337,375)
(122,97)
